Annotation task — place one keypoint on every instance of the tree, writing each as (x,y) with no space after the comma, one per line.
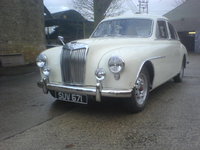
(100,7)
(85,7)
(97,9)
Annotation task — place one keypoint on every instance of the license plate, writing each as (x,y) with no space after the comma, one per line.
(75,98)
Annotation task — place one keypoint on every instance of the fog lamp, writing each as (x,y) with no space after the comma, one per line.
(46,71)
(41,60)
(100,74)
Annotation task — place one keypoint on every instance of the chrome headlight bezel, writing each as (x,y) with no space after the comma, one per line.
(41,60)
(116,64)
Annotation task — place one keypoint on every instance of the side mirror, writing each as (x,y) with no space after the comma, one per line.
(61,39)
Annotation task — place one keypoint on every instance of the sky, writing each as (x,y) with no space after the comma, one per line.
(158,7)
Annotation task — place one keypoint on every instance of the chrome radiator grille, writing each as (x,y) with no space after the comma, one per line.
(73,65)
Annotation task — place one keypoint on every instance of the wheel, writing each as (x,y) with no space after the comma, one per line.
(179,77)
(140,93)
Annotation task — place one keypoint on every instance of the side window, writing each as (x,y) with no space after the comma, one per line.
(172,32)
(162,30)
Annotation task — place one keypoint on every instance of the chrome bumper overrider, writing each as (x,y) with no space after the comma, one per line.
(97,91)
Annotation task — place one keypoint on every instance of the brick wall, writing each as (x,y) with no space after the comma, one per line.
(22,28)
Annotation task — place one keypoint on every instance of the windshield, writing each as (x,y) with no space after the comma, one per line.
(124,28)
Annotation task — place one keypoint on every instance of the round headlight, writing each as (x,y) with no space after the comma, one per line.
(41,60)
(116,64)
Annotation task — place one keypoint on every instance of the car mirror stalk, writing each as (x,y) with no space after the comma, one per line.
(61,39)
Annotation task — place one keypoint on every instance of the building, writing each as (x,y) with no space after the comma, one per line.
(21,31)
(70,24)
(186,19)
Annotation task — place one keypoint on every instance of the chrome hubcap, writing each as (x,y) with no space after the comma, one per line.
(141,89)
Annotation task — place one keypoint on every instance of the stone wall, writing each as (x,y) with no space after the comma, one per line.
(22,28)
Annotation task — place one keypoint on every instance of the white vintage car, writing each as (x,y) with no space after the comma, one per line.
(125,57)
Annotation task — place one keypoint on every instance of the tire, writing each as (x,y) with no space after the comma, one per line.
(140,93)
(179,77)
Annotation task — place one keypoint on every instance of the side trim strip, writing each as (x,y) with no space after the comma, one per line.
(152,58)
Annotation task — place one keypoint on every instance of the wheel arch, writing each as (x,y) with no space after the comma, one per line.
(150,68)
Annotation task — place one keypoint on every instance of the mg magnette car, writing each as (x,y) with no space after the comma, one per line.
(125,57)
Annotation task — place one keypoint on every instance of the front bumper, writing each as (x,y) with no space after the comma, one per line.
(97,91)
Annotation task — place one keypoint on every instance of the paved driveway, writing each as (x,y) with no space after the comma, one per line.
(30,120)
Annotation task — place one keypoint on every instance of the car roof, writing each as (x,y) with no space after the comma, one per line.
(143,16)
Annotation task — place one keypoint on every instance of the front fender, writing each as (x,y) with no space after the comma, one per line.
(129,75)
(53,63)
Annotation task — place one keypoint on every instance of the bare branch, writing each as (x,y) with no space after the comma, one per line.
(115,8)
(98,9)
(85,7)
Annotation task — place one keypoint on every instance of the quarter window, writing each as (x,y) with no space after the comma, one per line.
(162,30)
